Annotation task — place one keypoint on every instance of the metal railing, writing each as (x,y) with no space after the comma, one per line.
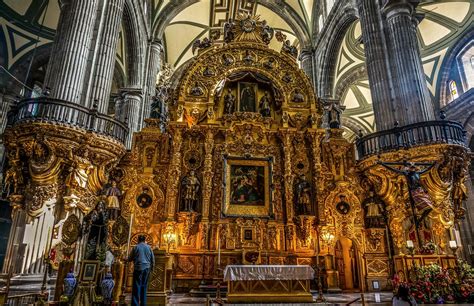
(56,111)
(417,134)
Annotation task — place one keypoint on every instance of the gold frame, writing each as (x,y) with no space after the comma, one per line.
(229,209)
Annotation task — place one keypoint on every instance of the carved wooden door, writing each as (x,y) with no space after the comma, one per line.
(339,260)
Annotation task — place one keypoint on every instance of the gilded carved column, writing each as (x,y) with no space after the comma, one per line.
(412,90)
(175,173)
(72,44)
(290,233)
(101,81)
(208,174)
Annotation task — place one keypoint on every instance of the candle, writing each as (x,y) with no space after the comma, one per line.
(129,234)
(218,247)
(453,244)
(410,244)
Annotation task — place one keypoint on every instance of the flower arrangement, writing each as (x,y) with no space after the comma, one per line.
(437,285)
(428,248)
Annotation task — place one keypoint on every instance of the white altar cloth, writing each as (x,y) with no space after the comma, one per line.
(267,272)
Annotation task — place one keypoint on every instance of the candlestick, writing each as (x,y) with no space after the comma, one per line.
(218,247)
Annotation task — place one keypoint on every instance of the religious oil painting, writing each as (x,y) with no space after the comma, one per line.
(247,97)
(247,183)
(89,270)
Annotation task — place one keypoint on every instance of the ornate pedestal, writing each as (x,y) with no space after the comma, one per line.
(159,278)
(268,284)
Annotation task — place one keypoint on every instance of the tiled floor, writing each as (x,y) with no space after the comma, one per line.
(384,298)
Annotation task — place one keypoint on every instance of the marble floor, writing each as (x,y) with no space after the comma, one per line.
(382,298)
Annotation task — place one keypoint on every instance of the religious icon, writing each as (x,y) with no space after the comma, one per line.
(89,271)
(343,207)
(247,185)
(248,234)
(144,200)
(247,97)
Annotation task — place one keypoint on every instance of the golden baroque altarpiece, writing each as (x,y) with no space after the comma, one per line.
(243,166)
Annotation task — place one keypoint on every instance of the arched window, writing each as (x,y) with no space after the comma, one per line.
(453,89)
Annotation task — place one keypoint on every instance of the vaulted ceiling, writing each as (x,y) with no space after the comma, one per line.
(293,17)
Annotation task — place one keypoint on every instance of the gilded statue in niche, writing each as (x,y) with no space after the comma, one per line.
(302,196)
(229,102)
(264,105)
(190,192)
(247,96)
(374,211)
(13,177)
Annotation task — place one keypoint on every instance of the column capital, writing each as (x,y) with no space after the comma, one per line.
(305,53)
(157,43)
(394,7)
(131,91)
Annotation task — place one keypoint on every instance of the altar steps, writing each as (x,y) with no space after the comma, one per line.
(205,290)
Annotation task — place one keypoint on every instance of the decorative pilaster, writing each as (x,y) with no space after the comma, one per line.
(412,90)
(378,66)
(207,174)
(104,66)
(154,64)
(66,70)
(174,172)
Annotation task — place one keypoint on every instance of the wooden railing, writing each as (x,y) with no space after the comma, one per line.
(66,113)
(23,299)
(418,134)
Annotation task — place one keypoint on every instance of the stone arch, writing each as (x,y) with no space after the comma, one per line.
(170,11)
(135,44)
(330,42)
(294,22)
(450,61)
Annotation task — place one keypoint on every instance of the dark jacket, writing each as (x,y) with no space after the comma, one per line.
(142,257)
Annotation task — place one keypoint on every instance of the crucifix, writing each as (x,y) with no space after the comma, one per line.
(420,201)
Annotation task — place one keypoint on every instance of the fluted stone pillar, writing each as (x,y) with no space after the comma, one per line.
(68,63)
(154,63)
(412,89)
(378,66)
(129,111)
(307,64)
(101,83)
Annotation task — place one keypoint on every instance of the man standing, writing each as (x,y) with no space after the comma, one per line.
(143,262)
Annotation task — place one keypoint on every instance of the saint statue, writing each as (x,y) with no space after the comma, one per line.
(79,171)
(247,99)
(13,177)
(229,102)
(264,105)
(298,96)
(113,204)
(303,196)
(95,227)
(373,211)
(190,192)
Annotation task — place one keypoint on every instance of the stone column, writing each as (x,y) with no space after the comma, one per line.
(378,66)
(101,81)
(154,63)
(306,60)
(129,111)
(66,70)
(416,104)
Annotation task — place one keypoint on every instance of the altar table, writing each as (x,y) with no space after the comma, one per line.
(268,283)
